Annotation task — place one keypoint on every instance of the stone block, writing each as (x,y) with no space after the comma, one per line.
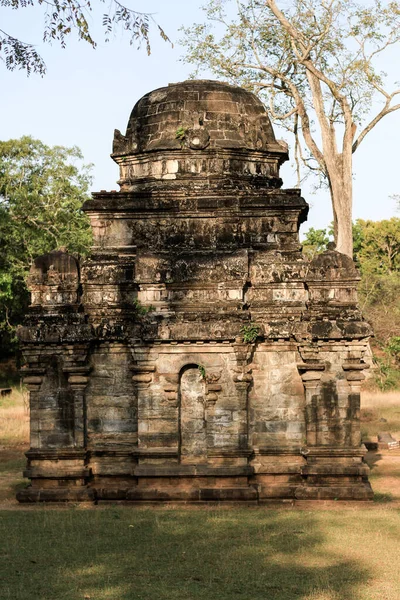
(355,376)
(32,380)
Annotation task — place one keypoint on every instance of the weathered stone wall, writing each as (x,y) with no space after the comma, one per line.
(195,354)
(111,399)
(276,400)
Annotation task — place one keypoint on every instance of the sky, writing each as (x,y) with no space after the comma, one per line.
(88,93)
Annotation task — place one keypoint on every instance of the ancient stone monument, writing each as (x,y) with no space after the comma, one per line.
(196,355)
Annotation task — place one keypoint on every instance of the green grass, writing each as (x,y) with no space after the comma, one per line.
(124,553)
(383,497)
(10,464)
(330,552)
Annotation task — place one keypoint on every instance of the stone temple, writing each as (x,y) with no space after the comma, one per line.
(196,355)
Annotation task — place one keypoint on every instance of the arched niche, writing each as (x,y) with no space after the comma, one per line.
(192,415)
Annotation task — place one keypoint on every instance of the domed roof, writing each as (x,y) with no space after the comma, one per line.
(198,114)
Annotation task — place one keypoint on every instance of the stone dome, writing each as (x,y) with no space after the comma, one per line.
(198,114)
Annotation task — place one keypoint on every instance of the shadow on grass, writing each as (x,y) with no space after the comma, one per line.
(384,475)
(13,462)
(135,554)
(372,459)
(383,497)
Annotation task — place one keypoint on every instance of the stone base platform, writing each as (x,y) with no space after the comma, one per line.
(312,474)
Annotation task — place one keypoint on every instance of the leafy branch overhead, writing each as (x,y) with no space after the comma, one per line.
(63,17)
(316,64)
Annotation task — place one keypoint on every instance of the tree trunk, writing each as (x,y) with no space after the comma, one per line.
(341,188)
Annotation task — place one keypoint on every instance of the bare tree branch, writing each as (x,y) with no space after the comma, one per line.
(385,111)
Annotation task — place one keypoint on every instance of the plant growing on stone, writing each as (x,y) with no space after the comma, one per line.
(250,333)
(202,371)
(141,309)
(180,134)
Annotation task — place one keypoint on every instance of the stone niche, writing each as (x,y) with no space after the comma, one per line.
(196,355)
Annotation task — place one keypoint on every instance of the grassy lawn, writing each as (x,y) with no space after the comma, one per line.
(328,551)
(380,412)
(122,553)
(14,441)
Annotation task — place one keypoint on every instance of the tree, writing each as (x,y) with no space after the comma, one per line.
(42,190)
(380,247)
(315,242)
(379,302)
(61,18)
(315,64)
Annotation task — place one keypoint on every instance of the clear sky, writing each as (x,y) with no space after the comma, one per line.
(88,93)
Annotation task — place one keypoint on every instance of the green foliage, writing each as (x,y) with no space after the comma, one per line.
(379,301)
(250,333)
(180,134)
(379,246)
(393,347)
(376,247)
(378,256)
(62,18)
(42,190)
(315,242)
(143,310)
(376,244)
(5,287)
(358,239)
(202,371)
(387,376)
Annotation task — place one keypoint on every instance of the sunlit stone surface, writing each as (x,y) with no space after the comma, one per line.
(195,355)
